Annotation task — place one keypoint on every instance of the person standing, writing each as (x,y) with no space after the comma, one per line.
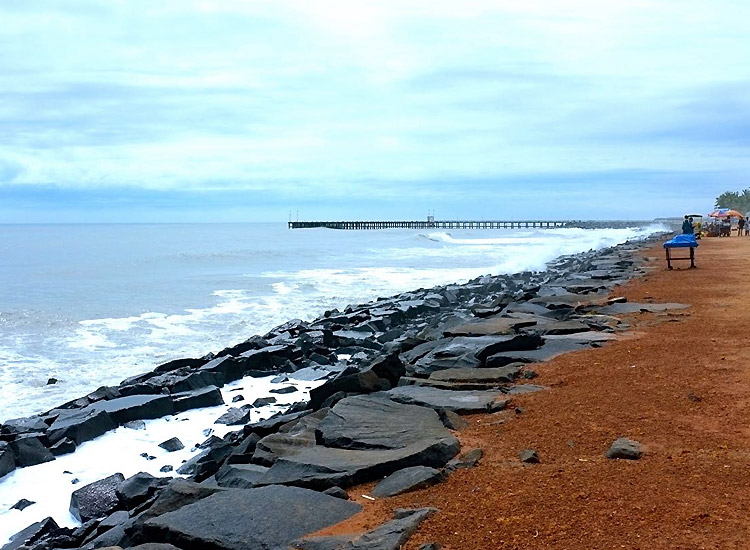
(740,226)
(687,226)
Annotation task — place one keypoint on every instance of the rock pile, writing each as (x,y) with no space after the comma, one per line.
(398,372)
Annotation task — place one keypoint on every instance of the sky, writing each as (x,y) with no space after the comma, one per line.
(258,110)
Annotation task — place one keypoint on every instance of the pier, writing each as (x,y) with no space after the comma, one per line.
(469,224)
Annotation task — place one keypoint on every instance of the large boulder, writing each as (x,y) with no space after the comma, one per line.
(266,518)
(97,499)
(138,488)
(209,396)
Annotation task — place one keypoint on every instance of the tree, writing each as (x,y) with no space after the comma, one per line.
(734,199)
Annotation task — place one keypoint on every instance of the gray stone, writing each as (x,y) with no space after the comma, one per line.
(135,407)
(27,537)
(178,493)
(408,479)
(29,450)
(239,476)
(452,420)
(496,325)
(461,402)
(389,536)
(498,375)
(337,492)
(625,448)
(267,518)
(113,520)
(635,307)
(80,425)
(135,425)
(235,416)
(469,459)
(286,389)
(288,440)
(172,445)
(31,424)
(377,422)
(97,499)
(361,382)
(529,456)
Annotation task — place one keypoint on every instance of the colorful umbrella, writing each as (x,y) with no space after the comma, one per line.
(725,213)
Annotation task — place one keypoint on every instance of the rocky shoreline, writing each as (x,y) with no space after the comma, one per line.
(399,373)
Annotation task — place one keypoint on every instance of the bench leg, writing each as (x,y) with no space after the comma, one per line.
(692,258)
(669,259)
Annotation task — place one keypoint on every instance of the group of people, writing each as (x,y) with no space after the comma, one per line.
(724,226)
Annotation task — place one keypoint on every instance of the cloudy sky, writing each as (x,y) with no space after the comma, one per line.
(245,110)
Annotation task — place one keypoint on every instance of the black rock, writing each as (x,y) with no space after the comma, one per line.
(138,488)
(287,389)
(263,401)
(29,450)
(239,476)
(220,522)
(171,445)
(135,407)
(362,382)
(626,449)
(237,398)
(31,424)
(235,416)
(166,469)
(22,504)
(469,459)
(51,381)
(80,425)
(97,499)
(7,460)
(408,479)
(210,396)
(33,533)
(175,495)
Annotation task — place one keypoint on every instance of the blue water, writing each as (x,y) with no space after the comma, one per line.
(93,304)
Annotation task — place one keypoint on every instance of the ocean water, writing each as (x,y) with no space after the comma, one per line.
(93,304)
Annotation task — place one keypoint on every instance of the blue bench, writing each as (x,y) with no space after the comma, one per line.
(681,241)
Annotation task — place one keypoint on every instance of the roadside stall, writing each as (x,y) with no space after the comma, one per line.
(723,225)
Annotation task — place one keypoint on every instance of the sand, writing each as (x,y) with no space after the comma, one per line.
(678,382)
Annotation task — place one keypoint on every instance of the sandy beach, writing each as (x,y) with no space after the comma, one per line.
(677,382)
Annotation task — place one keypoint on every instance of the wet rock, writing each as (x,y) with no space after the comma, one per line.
(29,450)
(80,425)
(135,407)
(7,460)
(33,533)
(235,416)
(22,504)
(31,424)
(361,382)
(171,445)
(279,516)
(263,401)
(210,396)
(625,448)
(135,425)
(97,499)
(243,453)
(175,495)
(238,398)
(287,389)
(406,480)
(290,438)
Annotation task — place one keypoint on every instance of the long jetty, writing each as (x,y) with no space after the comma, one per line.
(469,224)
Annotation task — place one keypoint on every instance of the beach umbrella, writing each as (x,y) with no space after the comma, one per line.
(725,213)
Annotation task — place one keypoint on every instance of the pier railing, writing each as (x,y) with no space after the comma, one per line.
(469,224)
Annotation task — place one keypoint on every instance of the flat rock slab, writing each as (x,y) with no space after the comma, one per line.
(80,425)
(378,422)
(135,407)
(97,499)
(458,401)
(266,518)
(496,325)
(551,348)
(635,307)
(569,301)
(389,536)
(321,467)
(408,479)
(498,375)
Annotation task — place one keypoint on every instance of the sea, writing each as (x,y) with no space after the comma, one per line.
(92,304)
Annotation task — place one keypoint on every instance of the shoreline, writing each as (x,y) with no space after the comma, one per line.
(255,356)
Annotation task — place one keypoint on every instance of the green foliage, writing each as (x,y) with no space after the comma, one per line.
(739,200)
